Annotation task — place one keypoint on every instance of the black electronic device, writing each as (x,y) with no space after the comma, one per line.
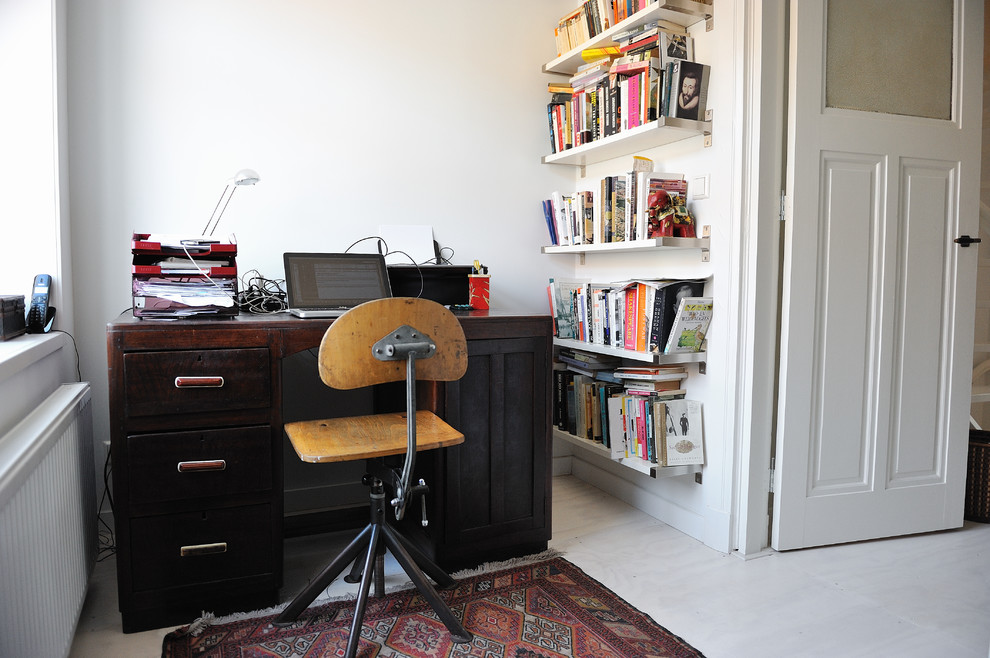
(444,284)
(39,314)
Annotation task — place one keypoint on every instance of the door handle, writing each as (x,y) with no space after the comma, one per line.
(965,240)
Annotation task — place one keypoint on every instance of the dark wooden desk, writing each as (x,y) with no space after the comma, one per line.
(197,467)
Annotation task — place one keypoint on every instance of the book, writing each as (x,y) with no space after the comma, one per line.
(632,83)
(619,209)
(651,373)
(586,364)
(597,431)
(648,28)
(675,46)
(655,92)
(659,426)
(550,221)
(632,178)
(588,78)
(565,315)
(691,321)
(560,88)
(638,386)
(602,211)
(616,427)
(683,441)
(616,301)
(570,419)
(598,52)
(579,369)
(560,382)
(606,390)
(671,71)
(632,66)
(630,323)
(580,408)
(586,207)
(643,292)
(645,41)
(667,296)
(689,90)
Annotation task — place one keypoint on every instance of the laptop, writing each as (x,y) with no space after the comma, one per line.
(327,285)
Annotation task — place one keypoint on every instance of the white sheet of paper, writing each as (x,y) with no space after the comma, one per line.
(415,240)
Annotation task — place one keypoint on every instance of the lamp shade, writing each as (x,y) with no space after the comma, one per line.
(246,177)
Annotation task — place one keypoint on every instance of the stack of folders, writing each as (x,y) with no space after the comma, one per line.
(180,276)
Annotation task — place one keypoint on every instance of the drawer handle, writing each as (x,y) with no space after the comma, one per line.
(203,549)
(203,465)
(199,382)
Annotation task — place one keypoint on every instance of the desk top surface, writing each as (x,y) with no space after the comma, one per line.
(286,320)
(289,334)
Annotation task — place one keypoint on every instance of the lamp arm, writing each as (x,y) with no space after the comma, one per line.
(214,215)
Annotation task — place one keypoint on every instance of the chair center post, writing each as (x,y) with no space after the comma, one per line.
(409,344)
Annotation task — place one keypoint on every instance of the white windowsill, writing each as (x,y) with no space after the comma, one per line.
(19,353)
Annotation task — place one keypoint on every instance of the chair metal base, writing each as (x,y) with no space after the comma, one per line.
(373,540)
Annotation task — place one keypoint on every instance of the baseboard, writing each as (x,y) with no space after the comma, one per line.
(561,465)
(640,491)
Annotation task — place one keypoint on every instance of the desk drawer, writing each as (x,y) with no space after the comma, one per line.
(200,547)
(184,465)
(189,381)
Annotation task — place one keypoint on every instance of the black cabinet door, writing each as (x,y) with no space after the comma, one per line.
(496,493)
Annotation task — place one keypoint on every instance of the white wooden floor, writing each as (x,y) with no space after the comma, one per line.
(926,595)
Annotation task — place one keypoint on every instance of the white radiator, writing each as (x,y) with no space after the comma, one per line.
(47,524)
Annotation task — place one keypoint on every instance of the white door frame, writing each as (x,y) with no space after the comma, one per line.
(759,178)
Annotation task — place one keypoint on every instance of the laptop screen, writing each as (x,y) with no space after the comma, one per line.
(334,280)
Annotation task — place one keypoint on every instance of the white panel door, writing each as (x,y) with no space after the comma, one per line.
(878,300)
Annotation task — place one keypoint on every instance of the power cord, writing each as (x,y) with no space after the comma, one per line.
(74,347)
(445,260)
(260,295)
(108,545)
(386,252)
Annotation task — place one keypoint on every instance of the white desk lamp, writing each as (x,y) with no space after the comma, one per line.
(243,177)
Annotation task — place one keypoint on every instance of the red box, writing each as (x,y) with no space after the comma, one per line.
(478,291)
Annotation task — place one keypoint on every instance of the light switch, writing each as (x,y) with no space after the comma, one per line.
(699,186)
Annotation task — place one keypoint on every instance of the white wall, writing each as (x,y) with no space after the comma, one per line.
(357,114)
(353,113)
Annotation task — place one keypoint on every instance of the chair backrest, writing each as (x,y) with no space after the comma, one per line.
(346,360)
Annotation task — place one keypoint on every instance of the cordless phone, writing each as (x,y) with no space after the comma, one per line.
(40,314)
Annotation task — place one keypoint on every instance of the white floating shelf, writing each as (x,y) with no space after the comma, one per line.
(665,130)
(632,245)
(681,12)
(649,357)
(635,463)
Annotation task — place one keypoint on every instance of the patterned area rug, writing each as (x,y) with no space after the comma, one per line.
(545,609)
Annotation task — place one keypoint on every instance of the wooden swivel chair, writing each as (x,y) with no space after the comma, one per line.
(385,340)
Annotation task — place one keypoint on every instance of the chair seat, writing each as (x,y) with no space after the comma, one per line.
(366,437)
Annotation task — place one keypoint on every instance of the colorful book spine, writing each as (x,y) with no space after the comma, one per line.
(642,324)
(630,325)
